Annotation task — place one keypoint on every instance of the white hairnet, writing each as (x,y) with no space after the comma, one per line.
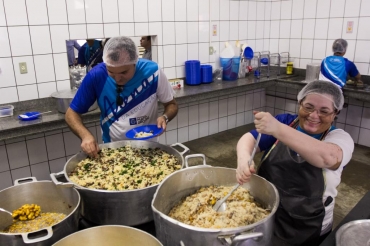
(324,88)
(120,51)
(340,46)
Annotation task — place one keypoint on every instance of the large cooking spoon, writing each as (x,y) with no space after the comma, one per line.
(6,218)
(220,205)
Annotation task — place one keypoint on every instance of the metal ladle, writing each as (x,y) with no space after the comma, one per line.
(220,205)
(6,218)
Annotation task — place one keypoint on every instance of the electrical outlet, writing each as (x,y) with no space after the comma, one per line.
(211,50)
(23,67)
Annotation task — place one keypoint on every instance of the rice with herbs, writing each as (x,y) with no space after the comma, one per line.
(196,209)
(124,168)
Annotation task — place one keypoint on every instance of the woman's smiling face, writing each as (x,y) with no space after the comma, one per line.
(316,113)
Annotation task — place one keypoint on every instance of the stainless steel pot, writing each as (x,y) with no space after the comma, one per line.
(51,199)
(185,182)
(312,72)
(64,98)
(131,207)
(112,235)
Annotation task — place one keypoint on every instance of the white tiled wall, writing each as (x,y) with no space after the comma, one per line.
(40,154)
(355,119)
(309,27)
(35,32)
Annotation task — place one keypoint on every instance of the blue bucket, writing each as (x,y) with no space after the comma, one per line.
(206,74)
(230,68)
(192,72)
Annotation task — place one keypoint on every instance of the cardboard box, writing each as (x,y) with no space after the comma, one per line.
(176,83)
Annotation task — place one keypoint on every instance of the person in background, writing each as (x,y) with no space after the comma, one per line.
(87,51)
(304,156)
(336,68)
(127,90)
(146,43)
(97,57)
(71,44)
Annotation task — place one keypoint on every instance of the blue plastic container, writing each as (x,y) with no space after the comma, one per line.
(248,53)
(206,74)
(230,68)
(192,72)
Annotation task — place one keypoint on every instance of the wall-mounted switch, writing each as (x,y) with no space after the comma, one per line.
(23,67)
(211,50)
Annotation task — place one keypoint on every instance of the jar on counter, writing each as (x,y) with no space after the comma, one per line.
(289,68)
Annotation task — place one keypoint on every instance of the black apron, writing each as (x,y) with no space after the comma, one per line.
(301,211)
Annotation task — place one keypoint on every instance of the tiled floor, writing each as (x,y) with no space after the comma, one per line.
(220,151)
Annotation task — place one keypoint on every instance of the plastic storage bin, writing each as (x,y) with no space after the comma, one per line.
(192,72)
(230,68)
(206,74)
(6,110)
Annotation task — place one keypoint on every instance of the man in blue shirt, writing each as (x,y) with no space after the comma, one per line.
(127,90)
(88,51)
(336,68)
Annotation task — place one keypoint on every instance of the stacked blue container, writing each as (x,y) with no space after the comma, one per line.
(192,72)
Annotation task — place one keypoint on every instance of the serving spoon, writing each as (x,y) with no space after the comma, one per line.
(220,205)
(6,218)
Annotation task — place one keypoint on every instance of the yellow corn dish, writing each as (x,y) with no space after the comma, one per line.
(26,212)
(124,168)
(196,209)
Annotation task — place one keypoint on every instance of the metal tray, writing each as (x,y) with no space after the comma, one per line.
(354,233)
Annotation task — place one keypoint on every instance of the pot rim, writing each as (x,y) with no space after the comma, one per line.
(109,226)
(78,187)
(42,181)
(221,230)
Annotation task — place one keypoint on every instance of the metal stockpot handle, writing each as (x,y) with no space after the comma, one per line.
(54,177)
(195,156)
(244,237)
(186,149)
(39,239)
(32,179)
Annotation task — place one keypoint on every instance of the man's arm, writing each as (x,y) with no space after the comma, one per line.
(170,110)
(76,45)
(88,144)
(358,78)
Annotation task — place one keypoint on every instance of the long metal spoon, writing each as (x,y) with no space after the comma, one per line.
(220,205)
(6,218)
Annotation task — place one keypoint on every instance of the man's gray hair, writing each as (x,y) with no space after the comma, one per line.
(120,51)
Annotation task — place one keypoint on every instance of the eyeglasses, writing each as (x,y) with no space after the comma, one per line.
(320,112)
(119,99)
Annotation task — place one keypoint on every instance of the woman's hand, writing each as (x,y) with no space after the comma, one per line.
(266,123)
(244,171)
(90,146)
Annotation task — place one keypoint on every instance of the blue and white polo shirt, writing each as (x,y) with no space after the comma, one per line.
(140,98)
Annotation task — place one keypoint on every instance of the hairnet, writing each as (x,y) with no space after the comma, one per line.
(120,51)
(326,89)
(340,46)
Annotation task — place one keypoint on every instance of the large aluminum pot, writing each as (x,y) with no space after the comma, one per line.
(64,98)
(185,182)
(51,199)
(131,207)
(112,235)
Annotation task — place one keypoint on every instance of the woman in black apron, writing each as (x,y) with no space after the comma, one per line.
(299,151)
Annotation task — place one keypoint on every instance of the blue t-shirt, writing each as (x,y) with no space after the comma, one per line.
(85,52)
(336,69)
(267,141)
(140,98)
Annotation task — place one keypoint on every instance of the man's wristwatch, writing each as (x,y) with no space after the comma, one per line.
(165,118)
